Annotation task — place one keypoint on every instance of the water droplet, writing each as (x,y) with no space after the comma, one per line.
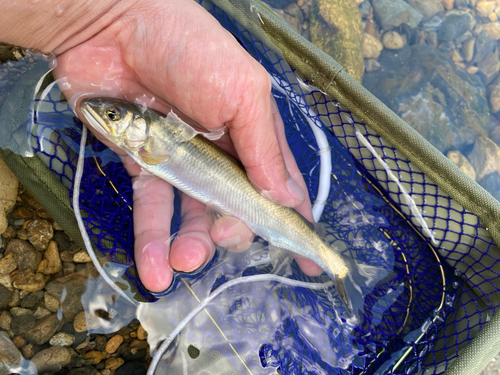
(455,285)
(449,300)
(457,272)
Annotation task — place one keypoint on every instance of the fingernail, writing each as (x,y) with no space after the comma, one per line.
(230,242)
(295,191)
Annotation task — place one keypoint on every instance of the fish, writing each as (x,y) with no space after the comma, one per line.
(171,149)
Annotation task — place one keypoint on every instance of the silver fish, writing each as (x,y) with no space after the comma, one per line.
(172,150)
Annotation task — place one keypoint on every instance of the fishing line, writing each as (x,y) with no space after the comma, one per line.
(81,226)
(241,280)
(324,152)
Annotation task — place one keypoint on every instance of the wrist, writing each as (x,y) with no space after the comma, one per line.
(57,25)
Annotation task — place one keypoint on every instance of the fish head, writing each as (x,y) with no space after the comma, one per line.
(120,121)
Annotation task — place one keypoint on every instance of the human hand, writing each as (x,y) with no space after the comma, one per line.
(178,54)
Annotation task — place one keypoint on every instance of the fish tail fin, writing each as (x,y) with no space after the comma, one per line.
(359,280)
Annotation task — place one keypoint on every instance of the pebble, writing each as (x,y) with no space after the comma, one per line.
(44,329)
(427,7)
(32,300)
(25,255)
(28,351)
(142,334)
(80,322)
(7,264)
(66,256)
(15,299)
(136,345)
(28,281)
(51,359)
(82,257)
(468,49)
(485,7)
(62,339)
(41,312)
(5,320)
(51,302)
(57,226)
(135,368)
(9,354)
(22,234)
(371,65)
(22,323)
(113,363)
(448,4)
(456,57)
(453,27)
(95,355)
(489,66)
(20,311)
(86,370)
(68,268)
(472,69)
(40,232)
(100,342)
(8,194)
(393,13)
(19,341)
(494,96)
(493,28)
(485,157)
(73,286)
(51,255)
(9,232)
(113,343)
(393,40)
(370,47)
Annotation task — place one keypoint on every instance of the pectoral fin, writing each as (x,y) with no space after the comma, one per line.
(153,159)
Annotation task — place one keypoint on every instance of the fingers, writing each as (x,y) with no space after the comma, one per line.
(193,246)
(231,234)
(153,207)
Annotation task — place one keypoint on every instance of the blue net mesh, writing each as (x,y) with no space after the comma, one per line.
(381,210)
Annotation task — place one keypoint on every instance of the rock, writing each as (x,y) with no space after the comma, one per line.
(9,354)
(84,321)
(5,297)
(494,96)
(100,342)
(15,299)
(7,264)
(371,47)
(73,286)
(485,7)
(51,302)
(20,311)
(493,28)
(484,46)
(461,162)
(485,157)
(81,257)
(448,4)
(392,13)
(490,66)
(62,339)
(23,323)
(29,351)
(142,334)
(491,183)
(41,312)
(28,281)
(446,105)
(54,263)
(131,368)
(8,193)
(32,300)
(52,359)
(336,28)
(9,232)
(19,341)
(113,343)
(22,234)
(5,320)
(62,240)
(137,345)
(453,27)
(468,49)
(68,268)
(113,363)
(371,65)
(393,40)
(280,4)
(495,135)
(95,355)
(24,254)
(43,330)
(40,233)
(23,212)
(427,7)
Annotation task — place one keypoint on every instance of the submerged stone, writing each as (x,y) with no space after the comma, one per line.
(336,28)
(445,104)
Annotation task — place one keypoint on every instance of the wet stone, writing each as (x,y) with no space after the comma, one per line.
(19,311)
(5,296)
(54,263)
(41,312)
(95,356)
(493,28)
(32,300)
(15,300)
(40,233)
(66,256)
(68,268)
(5,320)
(8,194)
(113,343)
(25,255)
(468,49)
(485,157)
(100,342)
(62,339)
(22,234)
(490,66)
(142,334)
(52,359)
(495,135)
(28,281)
(51,302)
(45,328)
(9,354)
(113,363)
(23,212)
(81,257)
(494,96)
(453,27)
(393,40)
(370,47)
(87,370)
(7,264)
(62,240)
(9,232)
(392,13)
(22,324)
(427,7)
(73,286)
(19,341)
(29,351)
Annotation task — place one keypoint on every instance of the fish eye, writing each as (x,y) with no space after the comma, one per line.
(113,113)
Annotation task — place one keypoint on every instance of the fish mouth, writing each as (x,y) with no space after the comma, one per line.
(95,120)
